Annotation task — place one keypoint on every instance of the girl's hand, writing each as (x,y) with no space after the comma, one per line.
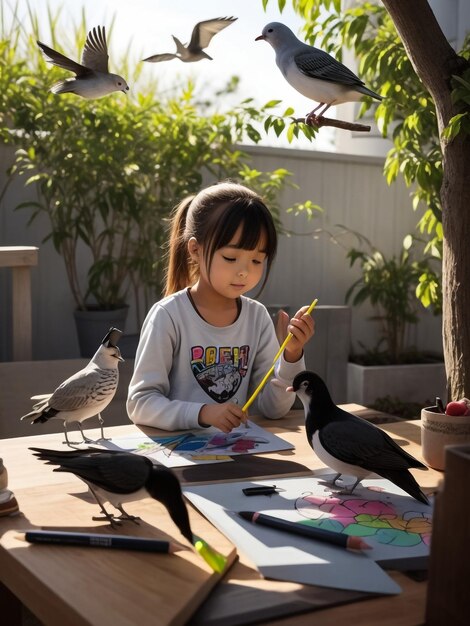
(225,416)
(302,327)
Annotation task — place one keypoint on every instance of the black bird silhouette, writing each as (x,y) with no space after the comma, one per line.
(349,444)
(119,477)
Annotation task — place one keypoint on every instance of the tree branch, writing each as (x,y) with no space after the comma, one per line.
(328,121)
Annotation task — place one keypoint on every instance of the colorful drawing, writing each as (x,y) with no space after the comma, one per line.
(211,446)
(365,518)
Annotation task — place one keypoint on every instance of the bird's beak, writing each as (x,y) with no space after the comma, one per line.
(119,358)
(291,389)
(260,37)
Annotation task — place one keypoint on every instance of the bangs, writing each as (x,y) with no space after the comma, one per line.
(256,224)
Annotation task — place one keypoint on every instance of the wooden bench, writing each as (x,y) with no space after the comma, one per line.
(20,259)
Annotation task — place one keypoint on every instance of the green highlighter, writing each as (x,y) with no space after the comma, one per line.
(213,558)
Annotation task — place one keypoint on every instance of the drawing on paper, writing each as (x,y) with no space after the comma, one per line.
(366,518)
(189,448)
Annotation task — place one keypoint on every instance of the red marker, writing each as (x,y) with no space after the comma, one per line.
(312,532)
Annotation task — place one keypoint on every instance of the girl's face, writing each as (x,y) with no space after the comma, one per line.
(233,270)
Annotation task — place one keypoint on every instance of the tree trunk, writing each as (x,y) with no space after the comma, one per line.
(435,62)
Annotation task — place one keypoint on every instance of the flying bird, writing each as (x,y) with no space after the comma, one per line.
(313,72)
(117,477)
(86,393)
(200,39)
(92,78)
(349,444)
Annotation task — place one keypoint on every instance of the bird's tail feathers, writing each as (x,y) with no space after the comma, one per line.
(369,92)
(407,482)
(41,396)
(33,413)
(64,86)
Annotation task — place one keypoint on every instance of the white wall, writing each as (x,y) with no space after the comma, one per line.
(352,192)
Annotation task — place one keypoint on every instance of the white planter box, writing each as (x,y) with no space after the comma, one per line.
(409,383)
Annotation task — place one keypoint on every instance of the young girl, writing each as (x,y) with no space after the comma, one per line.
(205,347)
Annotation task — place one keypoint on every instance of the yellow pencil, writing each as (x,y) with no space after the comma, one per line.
(250,401)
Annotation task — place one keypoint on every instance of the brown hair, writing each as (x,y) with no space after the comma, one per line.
(212,217)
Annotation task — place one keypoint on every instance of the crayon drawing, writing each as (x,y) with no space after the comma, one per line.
(366,518)
(397,527)
(211,446)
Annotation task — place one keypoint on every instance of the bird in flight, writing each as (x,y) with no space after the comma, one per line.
(200,39)
(92,78)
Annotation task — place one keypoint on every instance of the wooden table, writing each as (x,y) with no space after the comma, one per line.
(44,498)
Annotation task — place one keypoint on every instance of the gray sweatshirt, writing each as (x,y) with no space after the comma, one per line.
(182,363)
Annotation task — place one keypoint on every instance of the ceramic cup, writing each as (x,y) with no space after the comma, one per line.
(438,431)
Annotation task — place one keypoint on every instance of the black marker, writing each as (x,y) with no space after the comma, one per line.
(98,540)
(339,539)
(262,490)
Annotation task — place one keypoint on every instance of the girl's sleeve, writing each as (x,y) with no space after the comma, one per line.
(273,401)
(148,403)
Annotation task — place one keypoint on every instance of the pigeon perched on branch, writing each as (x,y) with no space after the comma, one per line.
(86,393)
(200,38)
(313,72)
(349,444)
(92,80)
(117,477)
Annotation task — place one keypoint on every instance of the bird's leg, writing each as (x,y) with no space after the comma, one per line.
(101,421)
(322,113)
(85,439)
(311,117)
(314,117)
(67,441)
(351,489)
(333,482)
(106,516)
(126,516)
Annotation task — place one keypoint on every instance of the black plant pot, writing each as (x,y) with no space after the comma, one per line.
(92,326)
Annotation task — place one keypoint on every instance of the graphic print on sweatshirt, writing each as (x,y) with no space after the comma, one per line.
(219,370)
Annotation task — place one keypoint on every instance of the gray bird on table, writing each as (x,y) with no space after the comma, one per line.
(200,38)
(117,477)
(85,394)
(92,78)
(313,72)
(349,444)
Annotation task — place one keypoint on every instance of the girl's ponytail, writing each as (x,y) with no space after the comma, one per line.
(180,270)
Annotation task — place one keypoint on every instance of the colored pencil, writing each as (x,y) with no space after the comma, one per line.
(98,540)
(312,532)
(250,401)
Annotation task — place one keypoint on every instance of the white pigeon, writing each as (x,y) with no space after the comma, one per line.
(200,38)
(86,393)
(313,72)
(93,80)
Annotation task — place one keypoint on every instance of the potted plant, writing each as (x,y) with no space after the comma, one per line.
(392,368)
(109,171)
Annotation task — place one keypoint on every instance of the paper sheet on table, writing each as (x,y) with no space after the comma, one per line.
(200,447)
(284,556)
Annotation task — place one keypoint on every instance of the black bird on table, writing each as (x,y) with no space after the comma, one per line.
(349,444)
(119,477)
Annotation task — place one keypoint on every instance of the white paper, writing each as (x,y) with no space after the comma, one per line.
(203,446)
(394,524)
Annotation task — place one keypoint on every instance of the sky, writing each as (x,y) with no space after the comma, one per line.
(148,25)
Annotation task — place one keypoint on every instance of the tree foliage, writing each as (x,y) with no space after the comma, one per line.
(406,115)
(109,171)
